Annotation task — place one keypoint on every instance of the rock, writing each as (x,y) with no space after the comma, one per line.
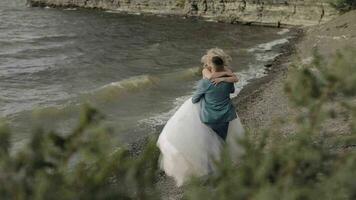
(268,65)
(296,12)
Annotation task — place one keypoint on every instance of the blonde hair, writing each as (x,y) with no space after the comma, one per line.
(216,52)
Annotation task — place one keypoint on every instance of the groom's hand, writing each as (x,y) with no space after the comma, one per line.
(216,81)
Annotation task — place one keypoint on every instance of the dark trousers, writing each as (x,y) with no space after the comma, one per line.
(220,129)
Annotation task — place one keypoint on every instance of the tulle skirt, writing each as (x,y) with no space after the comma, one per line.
(191,148)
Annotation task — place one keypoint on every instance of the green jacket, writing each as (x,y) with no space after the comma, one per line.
(216,105)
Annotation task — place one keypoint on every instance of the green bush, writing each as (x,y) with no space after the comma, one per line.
(180,3)
(343,5)
(80,165)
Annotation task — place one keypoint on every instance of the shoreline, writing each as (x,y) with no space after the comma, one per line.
(276,71)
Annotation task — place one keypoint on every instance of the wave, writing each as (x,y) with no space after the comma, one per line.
(121,10)
(35,38)
(264,57)
(107,93)
(23,51)
(188,73)
(283,31)
(269,45)
(253,72)
(211,20)
(70,9)
(114,90)
(111,11)
(161,118)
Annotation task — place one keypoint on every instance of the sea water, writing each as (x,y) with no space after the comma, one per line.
(135,69)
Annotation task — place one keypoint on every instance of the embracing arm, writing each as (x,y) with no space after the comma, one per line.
(211,75)
(230,78)
(199,92)
(226,76)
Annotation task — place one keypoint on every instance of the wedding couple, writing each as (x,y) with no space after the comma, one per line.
(192,140)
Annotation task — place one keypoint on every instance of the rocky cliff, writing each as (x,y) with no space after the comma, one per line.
(272,12)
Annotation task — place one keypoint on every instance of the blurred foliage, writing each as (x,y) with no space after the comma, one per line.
(80,165)
(343,5)
(180,3)
(300,165)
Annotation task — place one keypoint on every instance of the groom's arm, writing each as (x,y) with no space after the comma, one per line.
(200,91)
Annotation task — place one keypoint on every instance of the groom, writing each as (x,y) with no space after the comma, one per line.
(216,107)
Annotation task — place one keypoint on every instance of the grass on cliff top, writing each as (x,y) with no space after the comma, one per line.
(343,5)
(302,165)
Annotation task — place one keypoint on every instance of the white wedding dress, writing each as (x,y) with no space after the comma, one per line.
(190,148)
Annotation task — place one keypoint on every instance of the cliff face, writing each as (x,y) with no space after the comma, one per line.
(289,12)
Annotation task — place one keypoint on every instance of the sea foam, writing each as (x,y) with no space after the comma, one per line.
(283,31)
(268,46)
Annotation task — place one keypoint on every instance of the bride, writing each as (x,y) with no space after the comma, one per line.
(188,146)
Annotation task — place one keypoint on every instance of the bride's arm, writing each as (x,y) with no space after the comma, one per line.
(210,75)
(230,77)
